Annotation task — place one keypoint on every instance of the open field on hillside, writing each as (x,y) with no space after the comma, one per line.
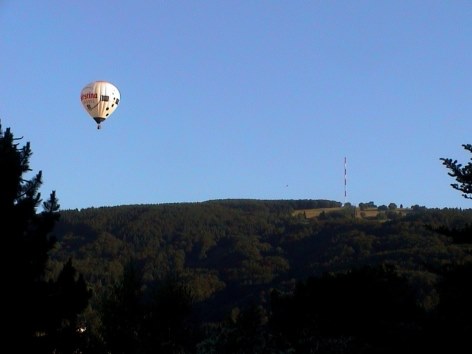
(314,213)
(369,213)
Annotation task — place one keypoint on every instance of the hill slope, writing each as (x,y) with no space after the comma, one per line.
(232,252)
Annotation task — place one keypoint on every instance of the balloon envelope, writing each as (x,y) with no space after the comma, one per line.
(100,99)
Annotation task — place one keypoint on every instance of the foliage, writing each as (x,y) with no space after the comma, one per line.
(462,174)
(42,311)
(361,310)
(231,253)
(136,319)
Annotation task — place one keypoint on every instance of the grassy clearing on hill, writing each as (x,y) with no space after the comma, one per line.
(370,213)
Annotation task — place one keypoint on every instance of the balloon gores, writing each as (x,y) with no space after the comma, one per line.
(100,99)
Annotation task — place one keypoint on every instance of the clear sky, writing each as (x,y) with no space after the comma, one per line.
(241,99)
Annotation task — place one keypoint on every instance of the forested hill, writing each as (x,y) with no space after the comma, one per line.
(231,252)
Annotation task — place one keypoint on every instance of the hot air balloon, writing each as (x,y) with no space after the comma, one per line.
(100,99)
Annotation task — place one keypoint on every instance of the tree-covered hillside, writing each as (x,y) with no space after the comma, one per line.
(233,252)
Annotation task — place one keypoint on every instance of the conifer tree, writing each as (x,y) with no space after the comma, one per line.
(39,312)
(463,177)
(462,174)
(454,311)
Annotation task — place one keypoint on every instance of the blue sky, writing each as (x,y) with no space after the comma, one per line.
(241,99)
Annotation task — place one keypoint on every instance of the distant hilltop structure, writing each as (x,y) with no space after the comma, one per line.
(345,180)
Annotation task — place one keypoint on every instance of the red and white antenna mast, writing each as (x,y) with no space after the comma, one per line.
(345,179)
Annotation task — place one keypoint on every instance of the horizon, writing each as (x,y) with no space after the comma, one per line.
(399,206)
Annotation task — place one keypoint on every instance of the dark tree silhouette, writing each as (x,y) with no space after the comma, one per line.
(122,313)
(40,312)
(136,319)
(244,331)
(462,174)
(454,314)
(367,310)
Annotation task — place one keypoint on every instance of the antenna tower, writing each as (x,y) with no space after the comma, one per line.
(345,179)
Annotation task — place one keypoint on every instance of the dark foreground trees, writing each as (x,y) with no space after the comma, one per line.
(139,319)
(39,313)
(367,310)
(453,320)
